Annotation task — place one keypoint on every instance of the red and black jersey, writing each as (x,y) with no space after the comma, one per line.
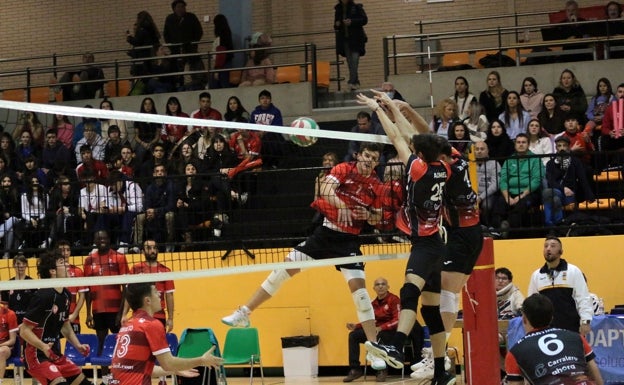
(354,189)
(75,271)
(460,200)
(423,205)
(139,341)
(163,287)
(105,298)
(549,356)
(47,312)
(8,323)
(18,300)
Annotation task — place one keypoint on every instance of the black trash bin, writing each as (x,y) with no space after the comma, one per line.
(300,355)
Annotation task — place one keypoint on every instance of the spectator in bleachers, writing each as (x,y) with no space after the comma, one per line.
(114,144)
(509,298)
(161,67)
(530,97)
(365,125)
(34,203)
(272,143)
(118,164)
(183,30)
(28,121)
(616,27)
(97,168)
(129,164)
(499,144)
(4,169)
(106,123)
(459,139)
(520,182)
(596,109)
(157,156)
(580,143)
(539,142)
(146,134)
(566,182)
(24,149)
(515,117)
(234,111)
(349,21)
(64,130)
(476,122)
(487,182)
(492,99)
(614,10)
(222,42)
(570,95)
(218,161)
(173,133)
(462,97)
(7,150)
(258,76)
(159,202)
(93,140)
(55,158)
(88,72)
(93,206)
(79,129)
(31,170)
(205,111)
(191,202)
(145,36)
(444,115)
(63,208)
(186,155)
(551,117)
(248,146)
(10,210)
(126,201)
(613,136)
(329,161)
(205,140)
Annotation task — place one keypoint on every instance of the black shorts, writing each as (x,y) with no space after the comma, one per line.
(425,261)
(325,243)
(106,321)
(463,247)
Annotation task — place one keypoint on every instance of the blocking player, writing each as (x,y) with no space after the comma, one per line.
(142,341)
(421,215)
(349,199)
(165,288)
(463,246)
(8,335)
(77,293)
(549,355)
(45,319)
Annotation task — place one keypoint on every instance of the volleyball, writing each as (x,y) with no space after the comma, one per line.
(302,140)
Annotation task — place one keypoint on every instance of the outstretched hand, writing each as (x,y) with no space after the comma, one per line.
(366,101)
(211,360)
(382,97)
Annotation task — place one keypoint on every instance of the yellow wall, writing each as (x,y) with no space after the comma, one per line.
(317,301)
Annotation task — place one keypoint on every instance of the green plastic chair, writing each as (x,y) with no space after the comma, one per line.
(242,346)
(195,342)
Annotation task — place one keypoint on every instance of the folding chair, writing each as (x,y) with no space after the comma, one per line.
(242,347)
(106,358)
(195,342)
(16,360)
(73,354)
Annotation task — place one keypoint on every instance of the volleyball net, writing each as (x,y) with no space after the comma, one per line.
(214,224)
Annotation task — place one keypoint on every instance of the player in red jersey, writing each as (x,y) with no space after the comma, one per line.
(426,178)
(142,341)
(348,199)
(45,319)
(546,355)
(104,302)
(8,335)
(165,288)
(77,292)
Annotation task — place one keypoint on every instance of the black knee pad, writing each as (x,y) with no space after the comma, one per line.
(433,319)
(409,296)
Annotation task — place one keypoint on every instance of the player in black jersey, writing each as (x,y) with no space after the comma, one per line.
(548,356)
(45,319)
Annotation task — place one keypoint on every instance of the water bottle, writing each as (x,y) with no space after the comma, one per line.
(17,380)
(601,310)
